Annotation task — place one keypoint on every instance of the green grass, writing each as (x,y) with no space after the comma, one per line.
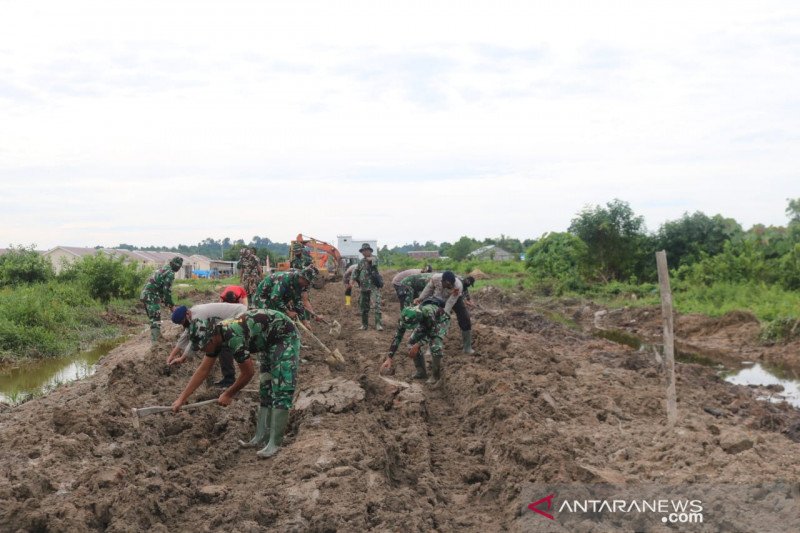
(52,319)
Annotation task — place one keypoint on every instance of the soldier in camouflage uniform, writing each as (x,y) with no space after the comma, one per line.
(431,324)
(411,287)
(251,272)
(370,294)
(273,336)
(159,289)
(287,292)
(300,257)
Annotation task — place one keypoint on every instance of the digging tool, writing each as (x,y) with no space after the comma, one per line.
(333,356)
(146,411)
(336,327)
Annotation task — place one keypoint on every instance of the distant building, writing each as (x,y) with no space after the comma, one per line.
(491,252)
(61,256)
(424,254)
(348,247)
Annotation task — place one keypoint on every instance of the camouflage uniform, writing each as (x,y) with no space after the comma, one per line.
(411,287)
(250,272)
(430,324)
(369,293)
(270,334)
(281,291)
(157,289)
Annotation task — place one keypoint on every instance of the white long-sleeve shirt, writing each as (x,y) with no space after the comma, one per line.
(222,311)
(434,288)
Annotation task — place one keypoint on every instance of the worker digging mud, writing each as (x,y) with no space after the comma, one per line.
(300,257)
(273,336)
(368,278)
(287,292)
(410,286)
(251,272)
(431,323)
(450,288)
(233,294)
(158,289)
(183,348)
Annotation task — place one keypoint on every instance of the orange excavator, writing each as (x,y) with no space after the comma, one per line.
(324,256)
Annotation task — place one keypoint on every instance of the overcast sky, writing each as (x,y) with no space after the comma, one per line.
(168,122)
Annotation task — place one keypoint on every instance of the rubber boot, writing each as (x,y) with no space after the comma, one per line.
(155,333)
(436,372)
(365,320)
(419,364)
(280,417)
(262,429)
(378,325)
(466,336)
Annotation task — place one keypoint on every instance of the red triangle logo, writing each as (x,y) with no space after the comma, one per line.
(535,506)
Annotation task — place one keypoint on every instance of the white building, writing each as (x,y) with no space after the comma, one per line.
(348,247)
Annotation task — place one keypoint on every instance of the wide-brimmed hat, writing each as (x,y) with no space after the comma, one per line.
(366,246)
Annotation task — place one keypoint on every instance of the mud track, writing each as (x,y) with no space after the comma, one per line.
(543,403)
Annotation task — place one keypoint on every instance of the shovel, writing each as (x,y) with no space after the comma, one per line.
(336,327)
(334,356)
(146,411)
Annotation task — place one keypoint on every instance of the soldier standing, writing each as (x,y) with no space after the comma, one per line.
(367,276)
(158,289)
(251,272)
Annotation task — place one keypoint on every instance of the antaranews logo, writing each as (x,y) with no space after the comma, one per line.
(673,511)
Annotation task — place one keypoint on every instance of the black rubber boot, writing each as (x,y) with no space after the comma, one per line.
(466,336)
(419,364)
(435,381)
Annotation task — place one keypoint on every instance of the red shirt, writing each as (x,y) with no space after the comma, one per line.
(238,293)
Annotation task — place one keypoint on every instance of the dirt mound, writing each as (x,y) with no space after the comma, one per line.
(478,274)
(542,403)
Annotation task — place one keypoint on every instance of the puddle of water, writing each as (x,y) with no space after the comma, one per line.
(758,375)
(27,380)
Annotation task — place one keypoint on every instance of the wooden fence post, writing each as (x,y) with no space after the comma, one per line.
(669,338)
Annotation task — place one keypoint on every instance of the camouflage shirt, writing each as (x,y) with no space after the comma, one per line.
(255,331)
(279,291)
(362,272)
(301,262)
(425,330)
(160,285)
(416,282)
(249,267)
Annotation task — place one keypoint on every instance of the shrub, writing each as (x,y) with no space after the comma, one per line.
(106,277)
(24,265)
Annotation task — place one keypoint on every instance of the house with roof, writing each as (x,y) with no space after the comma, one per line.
(491,252)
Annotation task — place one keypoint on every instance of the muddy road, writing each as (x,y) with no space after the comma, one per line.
(542,403)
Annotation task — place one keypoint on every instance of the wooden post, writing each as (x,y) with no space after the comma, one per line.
(669,338)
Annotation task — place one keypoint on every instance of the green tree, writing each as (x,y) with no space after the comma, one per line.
(24,265)
(558,256)
(616,238)
(685,240)
(106,277)
(462,247)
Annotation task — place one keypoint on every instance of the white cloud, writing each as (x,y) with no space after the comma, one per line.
(154,122)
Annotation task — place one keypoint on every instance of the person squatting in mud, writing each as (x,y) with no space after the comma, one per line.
(183,348)
(409,284)
(369,280)
(273,337)
(287,292)
(450,288)
(430,323)
(159,289)
(251,272)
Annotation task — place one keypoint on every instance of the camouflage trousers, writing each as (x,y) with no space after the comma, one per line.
(436,339)
(370,299)
(405,295)
(278,378)
(249,284)
(153,309)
